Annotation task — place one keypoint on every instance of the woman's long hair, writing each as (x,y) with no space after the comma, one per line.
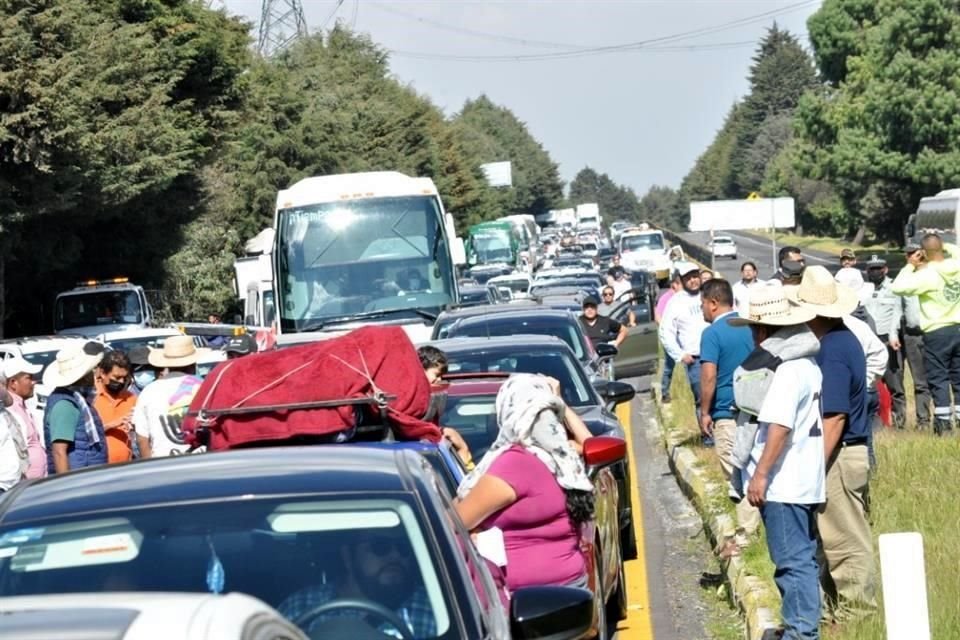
(580,505)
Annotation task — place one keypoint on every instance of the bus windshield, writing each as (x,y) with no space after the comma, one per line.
(94,308)
(336,259)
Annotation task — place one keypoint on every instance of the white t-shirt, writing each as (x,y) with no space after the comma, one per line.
(741,296)
(682,325)
(793,401)
(164,402)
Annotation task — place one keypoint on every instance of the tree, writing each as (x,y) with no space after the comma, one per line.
(884,132)
(616,201)
(496,134)
(659,206)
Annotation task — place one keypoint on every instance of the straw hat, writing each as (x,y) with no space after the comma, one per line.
(819,292)
(178,351)
(769,305)
(73,362)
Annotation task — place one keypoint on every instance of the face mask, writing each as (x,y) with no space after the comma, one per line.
(875,277)
(143,378)
(115,387)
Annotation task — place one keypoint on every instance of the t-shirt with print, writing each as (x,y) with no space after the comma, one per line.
(844,368)
(727,347)
(793,401)
(161,406)
(541,542)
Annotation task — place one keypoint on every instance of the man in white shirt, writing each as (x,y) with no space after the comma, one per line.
(741,289)
(162,405)
(682,326)
(784,476)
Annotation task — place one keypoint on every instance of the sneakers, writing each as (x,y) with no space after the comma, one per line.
(665,399)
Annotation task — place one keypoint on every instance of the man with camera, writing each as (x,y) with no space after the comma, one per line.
(935,279)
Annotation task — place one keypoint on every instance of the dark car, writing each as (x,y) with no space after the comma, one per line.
(288,525)
(588,283)
(539,320)
(551,356)
(446,318)
(473,295)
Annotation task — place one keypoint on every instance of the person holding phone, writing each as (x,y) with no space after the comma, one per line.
(115,403)
(935,279)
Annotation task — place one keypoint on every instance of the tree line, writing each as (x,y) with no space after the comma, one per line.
(145,138)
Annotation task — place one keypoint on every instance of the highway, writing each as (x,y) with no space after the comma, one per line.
(758,251)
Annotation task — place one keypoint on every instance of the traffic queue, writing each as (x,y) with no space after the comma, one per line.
(475,485)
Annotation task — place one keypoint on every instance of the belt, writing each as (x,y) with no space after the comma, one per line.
(853,442)
(913,331)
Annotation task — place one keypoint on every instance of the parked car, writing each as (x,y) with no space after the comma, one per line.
(472,295)
(537,320)
(143,616)
(37,350)
(723,247)
(446,318)
(287,525)
(551,356)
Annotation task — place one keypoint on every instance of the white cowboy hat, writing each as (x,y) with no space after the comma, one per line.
(822,294)
(770,306)
(177,351)
(73,362)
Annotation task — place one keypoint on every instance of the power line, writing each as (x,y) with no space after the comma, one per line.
(716,46)
(331,14)
(617,48)
(353,18)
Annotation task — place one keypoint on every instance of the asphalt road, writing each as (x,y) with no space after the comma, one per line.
(758,251)
(665,597)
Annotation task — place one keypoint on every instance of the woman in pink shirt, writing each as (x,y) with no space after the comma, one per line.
(532,485)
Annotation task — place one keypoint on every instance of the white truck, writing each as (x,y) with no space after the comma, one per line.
(362,248)
(97,306)
(253,280)
(588,217)
(646,250)
(938,214)
(565,218)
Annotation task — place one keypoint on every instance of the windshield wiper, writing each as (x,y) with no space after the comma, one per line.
(353,317)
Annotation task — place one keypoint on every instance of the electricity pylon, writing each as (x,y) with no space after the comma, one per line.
(281,22)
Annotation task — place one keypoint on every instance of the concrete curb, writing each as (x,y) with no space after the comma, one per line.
(748,592)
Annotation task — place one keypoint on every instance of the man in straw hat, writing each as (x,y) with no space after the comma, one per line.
(850,583)
(163,404)
(782,464)
(72,428)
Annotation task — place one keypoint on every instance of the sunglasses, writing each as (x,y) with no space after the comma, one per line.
(382,546)
(608,295)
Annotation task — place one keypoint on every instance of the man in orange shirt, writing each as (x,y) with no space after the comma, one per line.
(115,403)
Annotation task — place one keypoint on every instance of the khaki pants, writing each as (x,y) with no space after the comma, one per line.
(849,577)
(724,432)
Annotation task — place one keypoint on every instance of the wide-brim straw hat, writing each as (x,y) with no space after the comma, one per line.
(177,351)
(821,293)
(769,306)
(72,363)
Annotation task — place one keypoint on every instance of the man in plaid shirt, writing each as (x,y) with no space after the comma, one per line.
(379,568)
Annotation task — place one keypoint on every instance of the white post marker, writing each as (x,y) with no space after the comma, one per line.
(904,586)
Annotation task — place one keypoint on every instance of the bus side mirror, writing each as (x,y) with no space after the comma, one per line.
(457,251)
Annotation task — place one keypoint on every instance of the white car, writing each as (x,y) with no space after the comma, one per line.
(517,282)
(153,338)
(724,247)
(143,616)
(41,350)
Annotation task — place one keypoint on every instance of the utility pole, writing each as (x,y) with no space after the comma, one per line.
(281,22)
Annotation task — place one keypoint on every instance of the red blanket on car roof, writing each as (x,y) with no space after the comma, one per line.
(331,369)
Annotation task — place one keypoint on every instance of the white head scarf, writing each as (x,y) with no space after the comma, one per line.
(528,415)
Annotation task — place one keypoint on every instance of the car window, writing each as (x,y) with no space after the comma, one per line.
(481,327)
(309,552)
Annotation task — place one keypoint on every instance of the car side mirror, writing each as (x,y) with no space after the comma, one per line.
(603,451)
(615,392)
(558,613)
(606,350)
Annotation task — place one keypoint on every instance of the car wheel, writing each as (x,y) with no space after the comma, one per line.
(617,603)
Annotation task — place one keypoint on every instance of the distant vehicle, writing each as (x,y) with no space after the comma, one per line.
(126,615)
(723,247)
(646,251)
(153,338)
(95,306)
(472,295)
(518,283)
(447,318)
(494,244)
(253,280)
(41,350)
(588,216)
(940,214)
(362,248)
(590,248)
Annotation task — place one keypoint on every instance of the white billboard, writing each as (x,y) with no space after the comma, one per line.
(754,213)
(499,174)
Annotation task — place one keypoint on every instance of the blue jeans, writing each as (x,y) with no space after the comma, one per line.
(668,365)
(792,543)
(693,375)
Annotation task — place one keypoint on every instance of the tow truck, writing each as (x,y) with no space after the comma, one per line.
(97,306)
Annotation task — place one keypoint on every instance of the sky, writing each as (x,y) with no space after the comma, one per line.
(639,114)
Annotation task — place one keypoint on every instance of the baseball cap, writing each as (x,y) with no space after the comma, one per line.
(848,253)
(17,365)
(911,247)
(876,261)
(590,301)
(242,344)
(683,268)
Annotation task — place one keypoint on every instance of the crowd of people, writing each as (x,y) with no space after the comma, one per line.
(106,406)
(786,377)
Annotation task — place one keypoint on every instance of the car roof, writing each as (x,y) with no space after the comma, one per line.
(133,334)
(532,311)
(211,477)
(536,341)
(480,309)
(34,344)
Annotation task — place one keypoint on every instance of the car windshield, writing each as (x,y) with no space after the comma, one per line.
(723,241)
(126,344)
(559,364)
(567,329)
(310,552)
(471,297)
(361,256)
(642,242)
(93,308)
(520,285)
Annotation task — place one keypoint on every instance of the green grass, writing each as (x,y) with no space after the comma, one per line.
(891,253)
(912,489)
